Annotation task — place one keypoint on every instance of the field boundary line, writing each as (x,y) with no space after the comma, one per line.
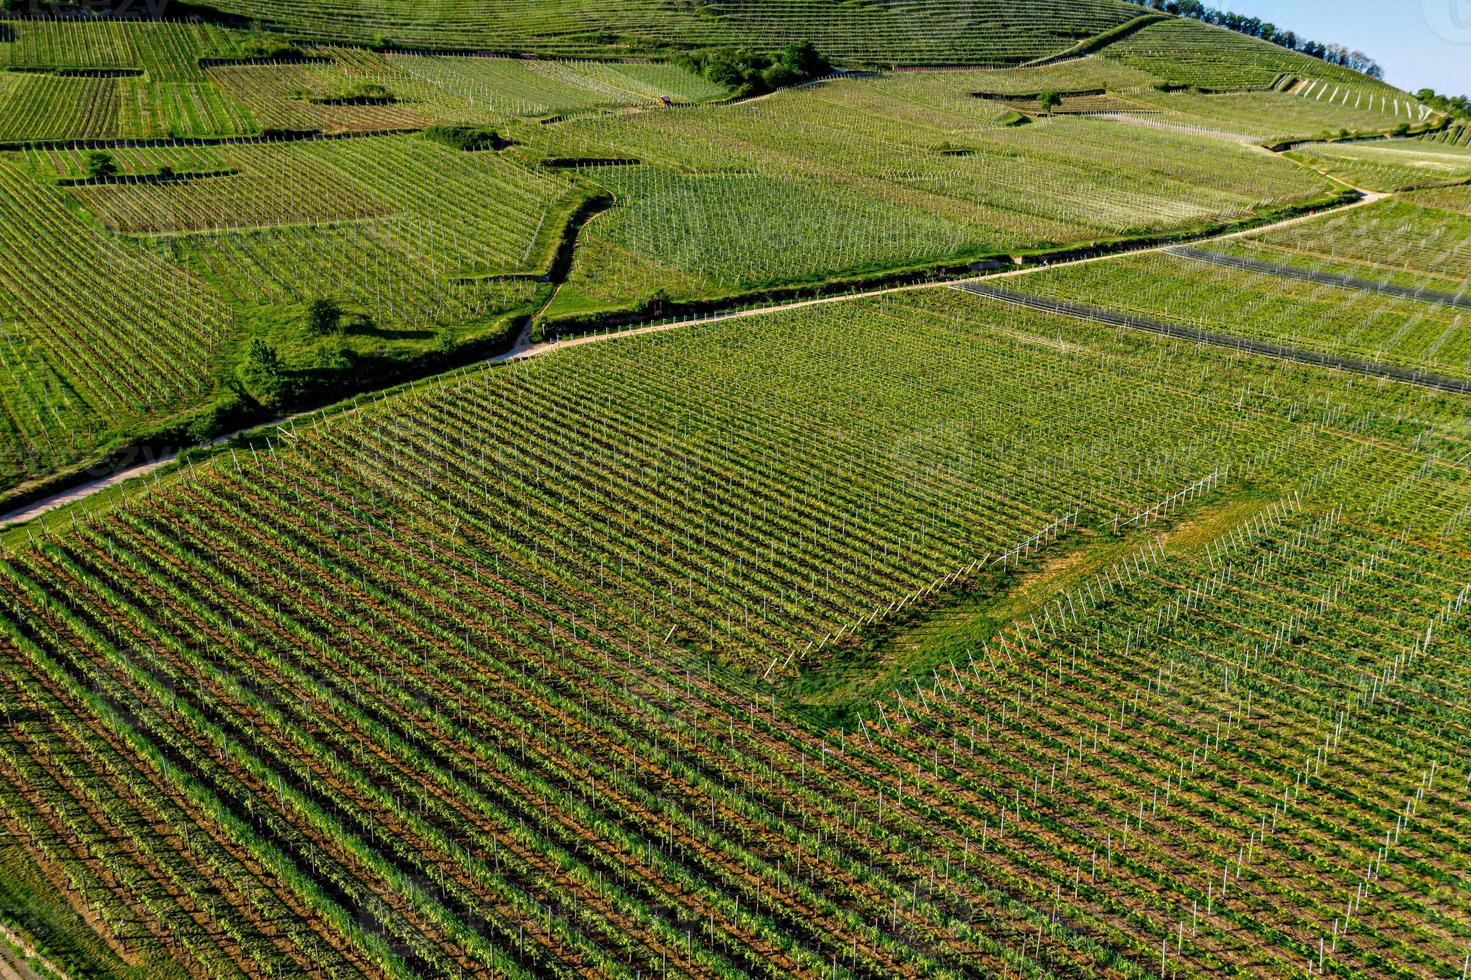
(1459,300)
(1095,314)
(524,347)
(528,349)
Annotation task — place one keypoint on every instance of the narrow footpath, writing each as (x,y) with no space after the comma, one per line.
(524,347)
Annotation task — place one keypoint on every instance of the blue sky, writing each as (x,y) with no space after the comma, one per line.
(1420,43)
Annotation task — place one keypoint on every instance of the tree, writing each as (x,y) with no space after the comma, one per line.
(1334,54)
(264,373)
(803,58)
(324,317)
(100,165)
(748,72)
(1049,101)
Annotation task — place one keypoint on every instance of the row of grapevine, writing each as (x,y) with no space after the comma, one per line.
(100,332)
(465,677)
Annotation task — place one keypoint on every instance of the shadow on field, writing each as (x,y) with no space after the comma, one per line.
(370,329)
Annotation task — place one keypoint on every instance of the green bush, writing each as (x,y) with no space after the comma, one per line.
(335,355)
(264,374)
(747,73)
(324,317)
(465,137)
(101,165)
(265,46)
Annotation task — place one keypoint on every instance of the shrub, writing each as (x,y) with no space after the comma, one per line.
(324,317)
(747,73)
(100,165)
(465,137)
(264,46)
(335,355)
(264,374)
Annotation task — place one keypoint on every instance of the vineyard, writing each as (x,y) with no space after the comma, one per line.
(1365,319)
(421,245)
(1417,241)
(1188,53)
(1385,284)
(1390,165)
(1270,117)
(494,496)
(74,81)
(863,173)
(75,373)
(990,32)
(302,705)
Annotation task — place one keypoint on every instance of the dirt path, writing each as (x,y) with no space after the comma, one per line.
(18,961)
(525,348)
(82,491)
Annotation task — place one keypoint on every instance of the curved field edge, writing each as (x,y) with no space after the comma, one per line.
(960,266)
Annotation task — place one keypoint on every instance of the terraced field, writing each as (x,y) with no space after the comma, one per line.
(858,174)
(498,706)
(1268,117)
(99,334)
(422,246)
(427,88)
(735,645)
(914,32)
(1390,165)
(402,232)
(1188,53)
(156,89)
(165,79)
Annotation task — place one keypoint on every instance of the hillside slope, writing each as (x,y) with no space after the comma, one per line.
(913,32)
(1187,52)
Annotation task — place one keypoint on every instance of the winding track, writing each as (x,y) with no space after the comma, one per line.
(525,348)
